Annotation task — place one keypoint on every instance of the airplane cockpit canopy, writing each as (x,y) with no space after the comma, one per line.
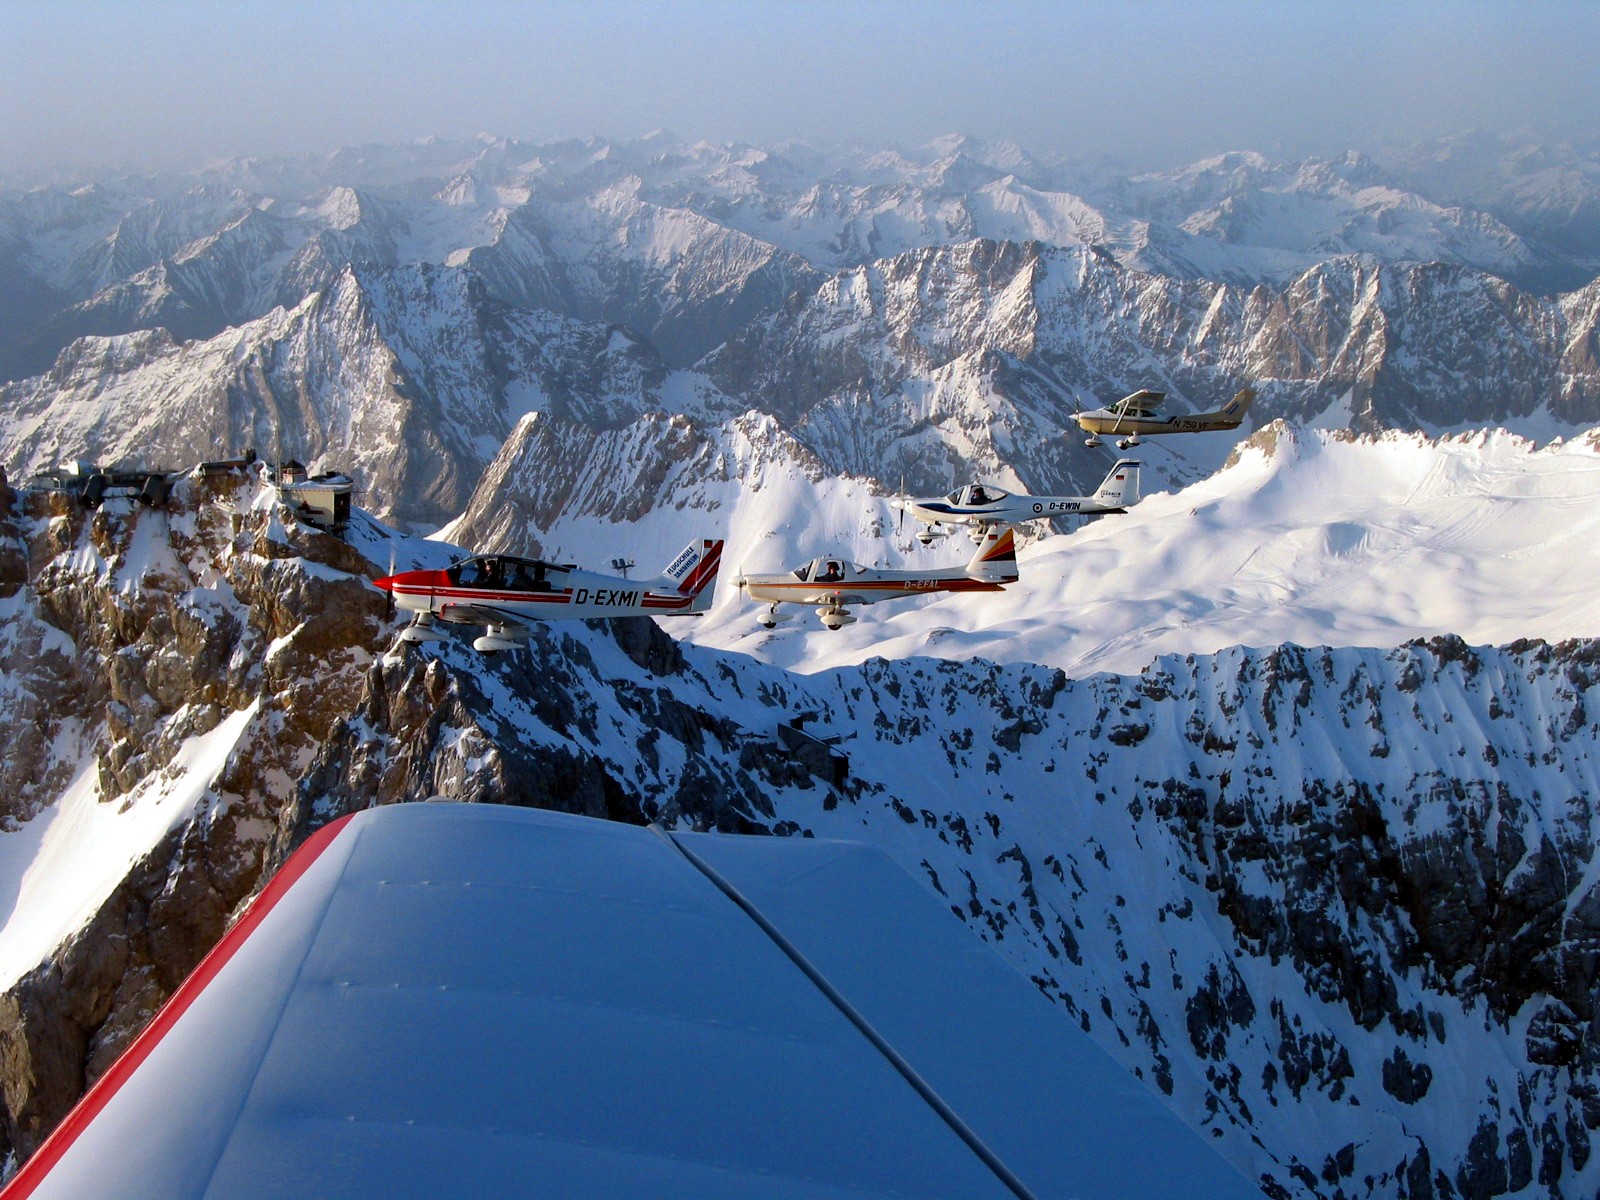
(1142,403)
(826,570)
(506,572)
(976,493)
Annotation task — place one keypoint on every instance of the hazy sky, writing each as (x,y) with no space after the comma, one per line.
(171,83)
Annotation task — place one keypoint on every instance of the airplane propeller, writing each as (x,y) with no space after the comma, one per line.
(389,607)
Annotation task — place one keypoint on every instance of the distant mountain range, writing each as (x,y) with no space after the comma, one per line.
(919,315)
(1337,904)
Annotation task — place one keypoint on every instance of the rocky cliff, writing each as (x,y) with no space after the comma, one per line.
(931,317)
(1338,906)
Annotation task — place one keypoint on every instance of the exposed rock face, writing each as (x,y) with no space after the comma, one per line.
(144,633)
(1336,905)
(137,634)
(928,319)
(552,471)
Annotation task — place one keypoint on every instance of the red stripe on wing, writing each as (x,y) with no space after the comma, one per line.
(61,1139)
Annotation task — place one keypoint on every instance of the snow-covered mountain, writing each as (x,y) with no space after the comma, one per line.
(1545,190)
(921,315)
(1332,904)
(930,367)
(1335,904)
(688,241)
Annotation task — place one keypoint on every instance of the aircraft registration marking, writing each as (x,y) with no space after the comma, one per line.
(607,597)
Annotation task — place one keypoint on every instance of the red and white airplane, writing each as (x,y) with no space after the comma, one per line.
(506,594)
(833,583)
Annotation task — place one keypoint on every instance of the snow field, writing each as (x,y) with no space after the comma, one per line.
(1322,540)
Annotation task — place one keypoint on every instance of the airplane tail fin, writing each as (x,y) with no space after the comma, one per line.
(693,572)
(996,559)
(1121,486)
(1235,409)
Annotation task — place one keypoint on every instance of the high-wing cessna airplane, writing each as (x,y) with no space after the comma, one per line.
(1135,416)
(983,505)
(833,583)
(506,594)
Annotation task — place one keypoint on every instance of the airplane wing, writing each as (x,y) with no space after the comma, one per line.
(848,597)
(484,614)
(475,1000)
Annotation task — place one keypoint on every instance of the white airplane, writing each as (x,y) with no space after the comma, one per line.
(1136,415)
(833,583)
(983,505)
(507,593)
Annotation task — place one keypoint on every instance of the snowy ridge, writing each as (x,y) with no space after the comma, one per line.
(1256,878)
(1337,905)
(574,285)
(1310,537)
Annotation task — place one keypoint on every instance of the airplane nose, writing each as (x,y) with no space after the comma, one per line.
(386,584)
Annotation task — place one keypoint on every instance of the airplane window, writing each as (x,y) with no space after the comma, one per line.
(955,496)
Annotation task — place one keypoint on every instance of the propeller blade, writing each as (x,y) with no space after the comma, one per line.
(389,614)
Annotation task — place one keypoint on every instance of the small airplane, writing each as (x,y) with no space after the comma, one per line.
(506,593)
(983,505)
(1135,416)
(833,583)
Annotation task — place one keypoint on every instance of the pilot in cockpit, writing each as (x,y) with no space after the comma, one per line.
(831,572)
(978,495)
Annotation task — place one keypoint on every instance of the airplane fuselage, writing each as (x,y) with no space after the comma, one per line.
(1105,421)
(833,584)
(1012,511)
(570,596)
(866,588)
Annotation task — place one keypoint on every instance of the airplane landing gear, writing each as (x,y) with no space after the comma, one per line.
(497,637)
(769,619)
(421,630)
(1127,443)
(1092,442)
(835,618)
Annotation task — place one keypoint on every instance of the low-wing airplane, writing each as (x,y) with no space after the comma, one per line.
(833,583)
(1135,416)
(983,505)
(507,593)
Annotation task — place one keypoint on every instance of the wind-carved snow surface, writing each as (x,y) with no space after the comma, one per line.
(1309,537)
